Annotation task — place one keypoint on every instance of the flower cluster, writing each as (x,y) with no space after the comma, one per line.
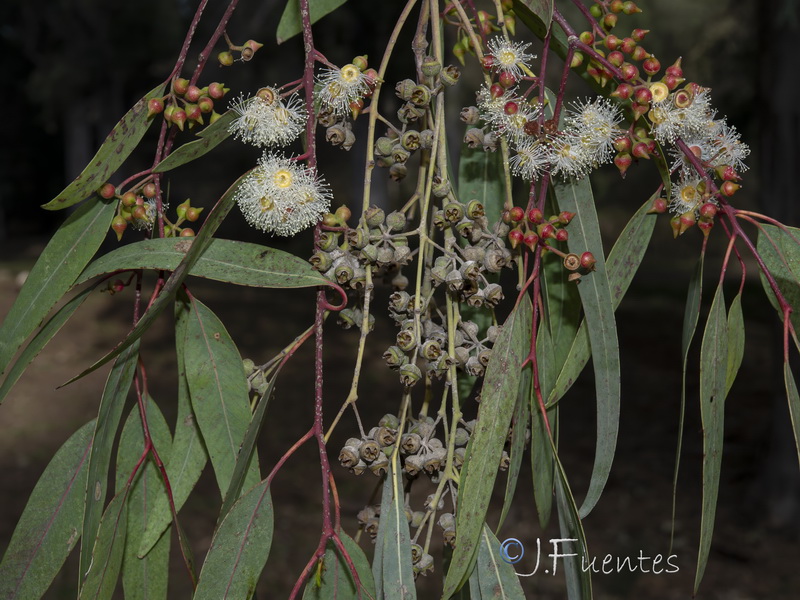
(281,197)
(266,119)
(586,141)
(341,87)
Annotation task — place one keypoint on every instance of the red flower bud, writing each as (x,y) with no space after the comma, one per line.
(546,231)
(638,34)
(149,190)
(496,90)
(705,226)
(651,65)
(180,85)
(708,210)
(562,235)
(640,150)
(517,214)
(515,237)
(622,144)
(107,191)
(686,221)
(588,261)
(639,53)
(530,240)
(623,161)
(564,217)
(154,106)
(587,37)
(643,95)
(616,58)
(535,216)
(675,69)
(507,79)
(659,207)
(611,42)
(629,72)
(511,108)
(729,188)
(193,93)
(216,90)
(623,91)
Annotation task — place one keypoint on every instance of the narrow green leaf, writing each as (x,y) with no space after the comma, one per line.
(579,579)
(108,418)
(563,311)
(247,450)
(219,392)
(598,307)
(210,138)
(42,337)
(794,404)
(519,430)
(498,396)
(542,9)
(735,341)
(187,457)
(65,256)
(622,264)
(781,255)
(119,144)
(291,23)
(396,573)
(542,462)
(496,577)
(691,315)
(143,578)
(335,581)
(660,159)
(480,177)
(240,263)
(713,374)
(103,570)
(239,549)
(50,525)
(175,281)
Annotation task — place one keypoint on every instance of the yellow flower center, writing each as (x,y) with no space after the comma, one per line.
(657,115)
(266,203)
(283,178)
(507,58)
(660,91)
(334,90)
(350,73)
(281,116)
(688,194)
(267,95)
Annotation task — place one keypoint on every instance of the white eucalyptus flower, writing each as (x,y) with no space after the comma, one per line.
(281,197)
(510,57)
(266,119)
(340,87)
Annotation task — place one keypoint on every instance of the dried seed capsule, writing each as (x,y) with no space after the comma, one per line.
(359,468)
(398,172)
(492,333)
(435,459)
(384,257)
(426,139)
(458,456)
(416,553)
(410,443)
(404,88)
(417,517)
(429,502)
(446,520)
(389,420)
(406,340)
(336,134)
(321,261)
(454,280)
(470,115)
(410,374)
(476,300)
(474,138)
(385,436)
(449,537)
(369,450)
(449,75)
(374,216)
(396,221)
(395,357)
(494,260)
(431,67)
(492,294)
(484,356)
(470,328)
(371,528)
(505,461)
(328,240)
(348,318)
(402,254)
(348,457)
(399,282)
(369,253)
(410,140)
(420,95)
(471,270)
(365,514)
(462,437)
(424,566)
(384,145)
(400,301)
(413,464)
(462,355)
(431,350)
(380,466)
(454,211)
(474,367)
(475,209)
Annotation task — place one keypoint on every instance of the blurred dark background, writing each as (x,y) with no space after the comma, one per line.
(72,67)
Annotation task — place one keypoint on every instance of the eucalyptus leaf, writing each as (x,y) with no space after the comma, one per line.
(219,392)
(103,570)
(230,261)
(210,138)
(334,581)
(109,414)
(51,522)
(291,23)
(735,341)
(394,571)
(794,403)
(239,549)
(187,456)
(119,144)
(498,397)
(595,291)
(519,428)
(62,260)
(713,375)
(497,579)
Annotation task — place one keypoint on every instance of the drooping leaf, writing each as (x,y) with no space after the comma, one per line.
(542,462)
(794,404)
(496,577)
(42,337)
(50,525)
(108,417)
(480,177)
(103,570)
(543,9)
(291,23)
(239,549)
(691,315)
(713,374)
(210,138)
(579,579)
(498,396)
(247,450)
(595,291)
(143,578)
(519,424)
(219,392)
(335,581)
(781,255)
(660,159)
(393,567)
(65,256)
(622,264)
(119,144)
(735,341)
(187,457)
(240,263)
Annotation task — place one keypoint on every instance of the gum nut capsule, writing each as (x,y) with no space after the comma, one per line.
(369,451)
(410,443)
(380,466)
(413,464)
